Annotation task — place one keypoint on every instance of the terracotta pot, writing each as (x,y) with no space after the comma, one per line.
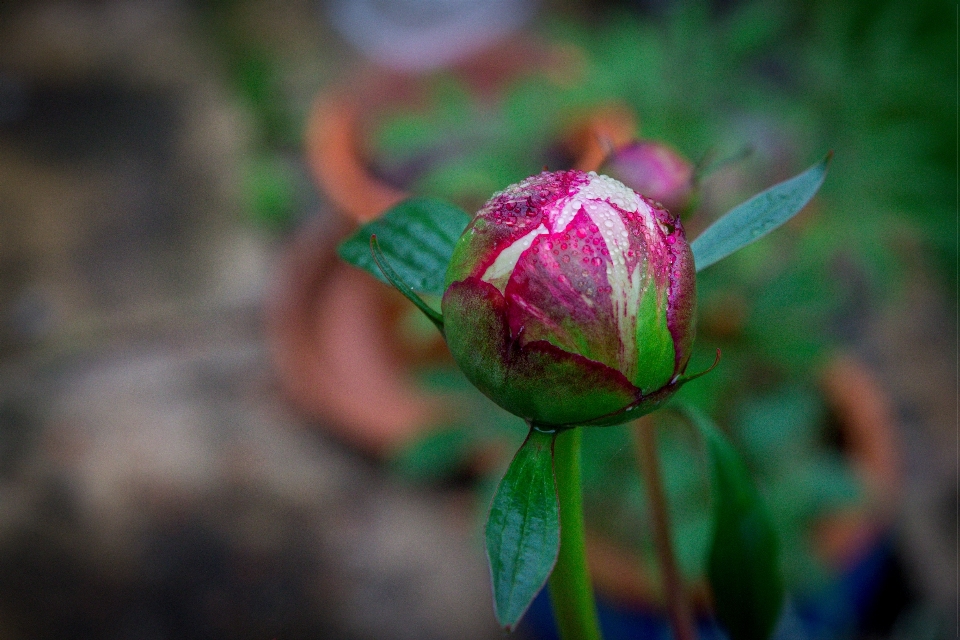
(866,415)
(329,328)
(334,135)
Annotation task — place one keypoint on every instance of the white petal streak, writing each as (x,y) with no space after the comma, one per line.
(596,198)
(622,283)
(598,188)
(508,258)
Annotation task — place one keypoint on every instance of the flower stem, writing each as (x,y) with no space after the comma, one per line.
(681,615)
(571,591)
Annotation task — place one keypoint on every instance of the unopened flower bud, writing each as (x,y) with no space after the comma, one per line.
(654,170)
(570,298)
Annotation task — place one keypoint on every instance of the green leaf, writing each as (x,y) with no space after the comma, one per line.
(758,216)
(417,237)
(394,279)
(523,530)
(744,563)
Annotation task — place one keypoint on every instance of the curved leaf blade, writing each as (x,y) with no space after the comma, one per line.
(394,279)
(758,216)
(523,530)
(417,236)
(744,561)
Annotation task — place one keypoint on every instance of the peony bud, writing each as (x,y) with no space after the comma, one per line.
(570,300)
(654,170)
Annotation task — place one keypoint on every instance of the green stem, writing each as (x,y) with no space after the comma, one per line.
(678,607)
(571,591)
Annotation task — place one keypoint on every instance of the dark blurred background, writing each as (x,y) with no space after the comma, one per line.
(211,429)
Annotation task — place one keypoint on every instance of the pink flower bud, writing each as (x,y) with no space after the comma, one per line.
(571,298)
(655,171)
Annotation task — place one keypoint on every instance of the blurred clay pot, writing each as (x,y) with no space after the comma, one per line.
(329,327)
(336,126)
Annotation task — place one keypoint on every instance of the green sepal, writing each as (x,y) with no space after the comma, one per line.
(647,404)
(536,381)
(758,216)
(685,378)
(523,529)
(394,279)
(652,338)
(744,560)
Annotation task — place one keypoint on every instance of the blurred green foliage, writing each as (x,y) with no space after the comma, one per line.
(873,81)
(272,189)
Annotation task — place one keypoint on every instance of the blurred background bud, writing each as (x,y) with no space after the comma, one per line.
(655,170)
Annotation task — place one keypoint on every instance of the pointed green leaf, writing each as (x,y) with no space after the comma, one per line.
(394,278)
(523,530)
(744,563)
(758,216)
(417,237)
